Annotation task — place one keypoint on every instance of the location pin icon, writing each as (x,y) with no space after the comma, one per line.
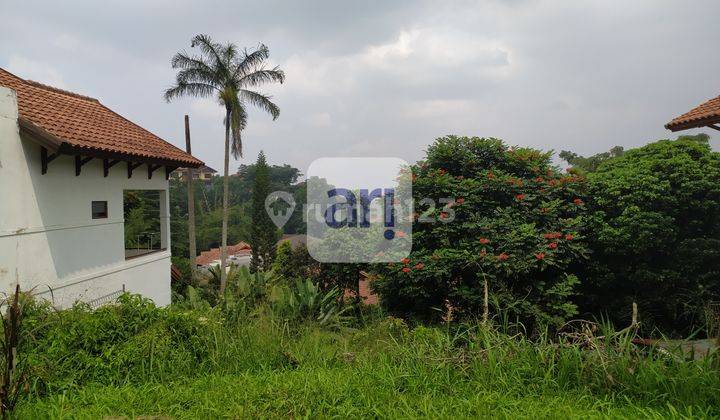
(279,217)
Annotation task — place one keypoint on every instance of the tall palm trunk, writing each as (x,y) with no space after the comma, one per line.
(226,210)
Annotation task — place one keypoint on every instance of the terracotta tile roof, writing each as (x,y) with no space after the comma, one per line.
(206,168)
(175,273)
(200,169)
(703,115)
(83,124)
(206,257)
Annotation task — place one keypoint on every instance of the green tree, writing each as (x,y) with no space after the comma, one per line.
(208,205)
(590,164)
(227,74)
(656,235)
(501,215)
(263,234)
(295,263)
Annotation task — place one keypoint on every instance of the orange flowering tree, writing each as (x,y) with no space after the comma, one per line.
(486,212)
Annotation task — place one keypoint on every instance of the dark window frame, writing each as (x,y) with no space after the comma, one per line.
(99,214)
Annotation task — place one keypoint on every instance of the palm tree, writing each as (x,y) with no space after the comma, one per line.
(223,72)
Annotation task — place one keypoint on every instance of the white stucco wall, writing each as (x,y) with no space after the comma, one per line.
(48,239)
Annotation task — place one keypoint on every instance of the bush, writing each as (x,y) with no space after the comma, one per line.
(129,341)
(295,264)
(656,235)
(510,218)
(135,359)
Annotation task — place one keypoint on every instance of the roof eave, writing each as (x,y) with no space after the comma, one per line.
(697,123)
(55,144)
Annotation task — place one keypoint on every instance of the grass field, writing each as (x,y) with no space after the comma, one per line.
(340,392)
(134,360)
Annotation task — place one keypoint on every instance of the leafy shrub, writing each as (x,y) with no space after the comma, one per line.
(144,367)
(518,224)
(114,343)
(656,235)
(306,301)
(246,293)
(293,263)
(260,293)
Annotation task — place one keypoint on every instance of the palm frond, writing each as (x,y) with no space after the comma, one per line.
(238,122)
(196,75)
(260,76)
(197,90)
(252,60)
(230,54)
(183,60)
(261,101)
(212,50)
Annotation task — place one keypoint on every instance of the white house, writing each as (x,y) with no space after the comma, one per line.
(65,162)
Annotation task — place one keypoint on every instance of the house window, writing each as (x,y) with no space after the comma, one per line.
(99,210)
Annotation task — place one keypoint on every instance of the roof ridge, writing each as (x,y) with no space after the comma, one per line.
(48,87)
(85,123)
(12,75)
(58,90)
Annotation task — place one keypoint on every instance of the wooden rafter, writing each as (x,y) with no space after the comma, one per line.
(108,160)
(168,171)
(714,127)
(46,158)
(152,168)
(107,164)
(131,166)
(79,162)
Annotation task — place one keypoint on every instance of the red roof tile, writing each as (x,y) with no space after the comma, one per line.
(84,124)
(703,115)
(175,273)
(206,257)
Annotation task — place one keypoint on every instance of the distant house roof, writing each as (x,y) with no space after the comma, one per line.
(203,168)
(175,273)
(704,115)
(75,124)
(213,254)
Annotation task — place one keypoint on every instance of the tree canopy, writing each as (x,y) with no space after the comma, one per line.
(499,214)
(655,234)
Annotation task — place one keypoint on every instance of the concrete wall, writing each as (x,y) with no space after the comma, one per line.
(48,239)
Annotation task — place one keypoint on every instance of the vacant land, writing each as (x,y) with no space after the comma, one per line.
(136,360)
(342,392)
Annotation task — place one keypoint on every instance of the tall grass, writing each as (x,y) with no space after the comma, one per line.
(133,347)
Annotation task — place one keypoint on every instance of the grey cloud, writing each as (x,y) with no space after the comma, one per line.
(386,77)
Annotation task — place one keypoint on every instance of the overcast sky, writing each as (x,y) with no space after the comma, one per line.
(385,78)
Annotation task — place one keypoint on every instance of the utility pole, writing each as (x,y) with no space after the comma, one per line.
(191,201)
